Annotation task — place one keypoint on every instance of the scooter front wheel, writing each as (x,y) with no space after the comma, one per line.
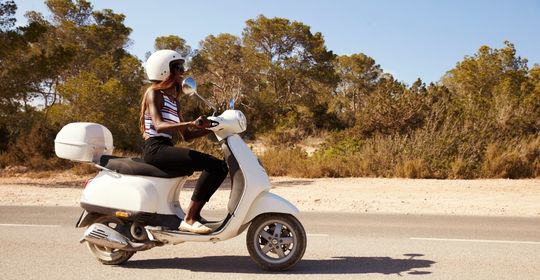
(276,241)
(107,255)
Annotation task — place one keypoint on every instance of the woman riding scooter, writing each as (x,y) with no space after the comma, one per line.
(160,119)
(132,206)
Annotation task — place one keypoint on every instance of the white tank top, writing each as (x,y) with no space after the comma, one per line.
(169,113)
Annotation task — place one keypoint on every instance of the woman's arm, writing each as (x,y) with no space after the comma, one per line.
(192,134)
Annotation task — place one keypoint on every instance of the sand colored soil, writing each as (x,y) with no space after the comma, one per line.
(360,195)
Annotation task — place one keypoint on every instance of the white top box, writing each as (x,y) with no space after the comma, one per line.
(83,142)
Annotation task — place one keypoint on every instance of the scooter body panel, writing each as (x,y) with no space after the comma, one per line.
(133,193)
(252,169)
(255,182)
(268,202)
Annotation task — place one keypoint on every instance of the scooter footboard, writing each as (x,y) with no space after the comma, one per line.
(268,202)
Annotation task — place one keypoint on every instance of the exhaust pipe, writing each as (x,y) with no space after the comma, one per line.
(102,235)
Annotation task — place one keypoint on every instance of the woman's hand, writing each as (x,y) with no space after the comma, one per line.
(201,123)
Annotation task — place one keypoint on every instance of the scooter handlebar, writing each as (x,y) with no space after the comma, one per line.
(200,121)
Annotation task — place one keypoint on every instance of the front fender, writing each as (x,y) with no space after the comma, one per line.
(268,202)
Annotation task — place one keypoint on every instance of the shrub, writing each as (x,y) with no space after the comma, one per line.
(281,162)
(83,169)
(283,137)
(462,168)
(412,169)
(511,160)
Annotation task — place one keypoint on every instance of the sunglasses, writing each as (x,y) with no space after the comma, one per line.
(178,67)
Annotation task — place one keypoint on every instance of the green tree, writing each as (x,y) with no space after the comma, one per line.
(359,76)
(220,69)
(19,72)
(102,82)
(76,36)
(391,108)
(7,106)
(7,11)
(290,71)
(172,42)
(76,69)
(491,87)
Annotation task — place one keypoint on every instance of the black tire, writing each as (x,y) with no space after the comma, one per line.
(106,255)
(276,241)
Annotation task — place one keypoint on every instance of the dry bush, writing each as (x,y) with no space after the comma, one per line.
(462,168)
(283,137)
(84,169)
(281,162)
(513,159)
(412,169)
(423,154)
(5,160)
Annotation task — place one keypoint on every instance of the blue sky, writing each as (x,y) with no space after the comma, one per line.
(410,39)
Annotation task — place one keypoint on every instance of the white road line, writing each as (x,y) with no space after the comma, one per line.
(308,234)
(476,240)
(29,225)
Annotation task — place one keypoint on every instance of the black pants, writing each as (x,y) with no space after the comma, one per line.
(160,152)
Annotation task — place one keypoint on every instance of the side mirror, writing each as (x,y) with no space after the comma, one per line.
(189,86)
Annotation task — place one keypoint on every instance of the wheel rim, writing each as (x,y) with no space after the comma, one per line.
(106,253)
(275,241)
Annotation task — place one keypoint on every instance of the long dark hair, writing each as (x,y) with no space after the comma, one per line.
(156,85)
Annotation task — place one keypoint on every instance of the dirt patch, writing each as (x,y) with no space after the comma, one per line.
(358,195)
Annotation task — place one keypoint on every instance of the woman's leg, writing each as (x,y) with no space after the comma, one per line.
(213,173)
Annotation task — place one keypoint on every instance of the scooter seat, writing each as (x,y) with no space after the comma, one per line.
(137,166)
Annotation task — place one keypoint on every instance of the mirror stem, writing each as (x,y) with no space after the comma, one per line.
(207,103)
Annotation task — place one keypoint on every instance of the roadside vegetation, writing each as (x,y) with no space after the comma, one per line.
(480,120)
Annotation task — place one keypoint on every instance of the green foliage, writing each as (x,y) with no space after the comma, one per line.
(359,76)
(219,69)
(481,120)
(288,66)
(7,10)
(172,42)
(75,68)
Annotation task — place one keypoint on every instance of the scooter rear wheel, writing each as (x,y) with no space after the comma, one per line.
(276,241)
(105,255)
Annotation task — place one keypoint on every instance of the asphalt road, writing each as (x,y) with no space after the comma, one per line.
(42,243)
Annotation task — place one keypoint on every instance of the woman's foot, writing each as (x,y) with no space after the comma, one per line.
(195,227)
(193,216)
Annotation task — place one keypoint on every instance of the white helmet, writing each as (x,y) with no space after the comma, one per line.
(157,66)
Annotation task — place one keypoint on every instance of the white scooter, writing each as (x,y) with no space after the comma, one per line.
(132,206)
